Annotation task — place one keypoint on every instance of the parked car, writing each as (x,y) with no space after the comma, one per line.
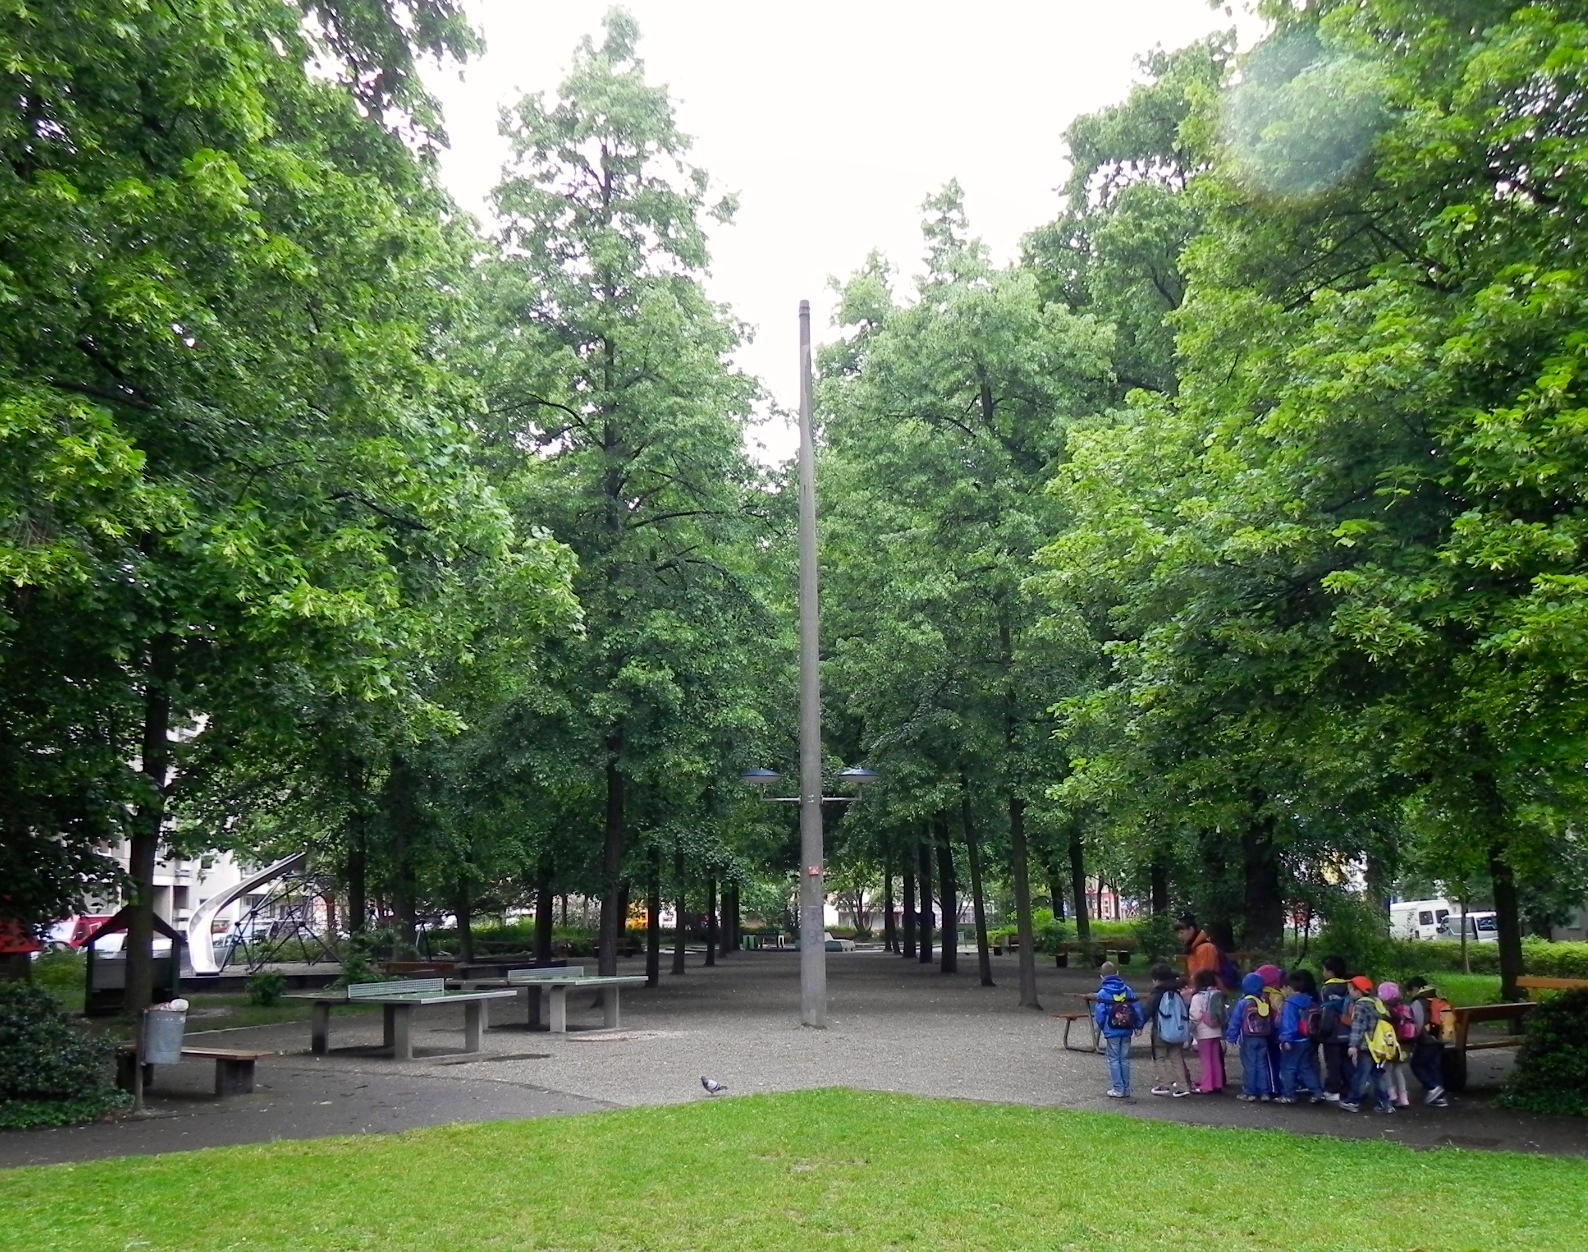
(115,945)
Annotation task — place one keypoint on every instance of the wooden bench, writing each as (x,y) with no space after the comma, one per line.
(1101,950)
(398,1000)
(1531,984)
(1069,1020)
(234,1068)
(1459,1040)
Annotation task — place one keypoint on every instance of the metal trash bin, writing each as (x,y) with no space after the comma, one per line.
(162,1036)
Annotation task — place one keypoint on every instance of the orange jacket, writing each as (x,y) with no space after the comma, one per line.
(1201,954)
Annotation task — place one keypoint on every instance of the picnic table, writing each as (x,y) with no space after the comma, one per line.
(398,1000)
(559,982)
(1088,998)
(1459,1040)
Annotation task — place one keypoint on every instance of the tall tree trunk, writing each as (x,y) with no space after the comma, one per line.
(1019,864)
(147,819)
(890,933)
(653,917)
(1050,867)
(977,904)
(711,917)
(612,858)
(402,819)
(948,896)
(1158,887)
(462,907)
(728,937)
(907,908)
(1264,898)
(680,930)
(923,882)
(1217,924)
(1507,910)
(1507,917)
(357,870)
(1083,921)
(545,909)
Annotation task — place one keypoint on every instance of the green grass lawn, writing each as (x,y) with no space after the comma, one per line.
(829,1169)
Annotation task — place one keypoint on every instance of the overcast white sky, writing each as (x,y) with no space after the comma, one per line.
(833,121)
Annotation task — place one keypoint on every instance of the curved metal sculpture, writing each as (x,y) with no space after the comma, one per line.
(200,934)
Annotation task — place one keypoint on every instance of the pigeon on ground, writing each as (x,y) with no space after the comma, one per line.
(712,1088)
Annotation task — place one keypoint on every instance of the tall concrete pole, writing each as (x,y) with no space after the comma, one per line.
(813,947)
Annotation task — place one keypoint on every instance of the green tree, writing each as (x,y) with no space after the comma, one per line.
(609,376)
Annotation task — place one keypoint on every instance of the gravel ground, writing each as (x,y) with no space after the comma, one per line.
(892,1026)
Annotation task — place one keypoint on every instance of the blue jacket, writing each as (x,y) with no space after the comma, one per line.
(1290,1019)
(1112,987)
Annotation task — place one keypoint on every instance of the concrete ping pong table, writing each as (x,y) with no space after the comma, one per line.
(398,1000)
(559,981)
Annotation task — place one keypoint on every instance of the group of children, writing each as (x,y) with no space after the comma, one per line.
(1343,1041)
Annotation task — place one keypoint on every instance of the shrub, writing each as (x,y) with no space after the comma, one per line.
(1048,934)
(265,989)
(358,954)
(1551,1071)
(1356,929)
(62,971)
(1155,937)
(51,1074)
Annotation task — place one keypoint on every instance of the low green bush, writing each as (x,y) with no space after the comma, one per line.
(1049,934)
(1356,929)
(62,971)
(1551,1070)
(51,1073)
(1155,937)
(265,989)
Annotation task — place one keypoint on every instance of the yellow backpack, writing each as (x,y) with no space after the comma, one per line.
(1382,1045)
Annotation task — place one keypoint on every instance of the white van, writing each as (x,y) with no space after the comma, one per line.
(1420,919)
(1480,927)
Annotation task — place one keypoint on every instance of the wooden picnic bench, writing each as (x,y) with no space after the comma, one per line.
(559,982)
(234,1067)
(1531,983)
(398,1000)
(1069,1020)
(1102,950)
(1459,1040)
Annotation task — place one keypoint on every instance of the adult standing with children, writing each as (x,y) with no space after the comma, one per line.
(1201,953)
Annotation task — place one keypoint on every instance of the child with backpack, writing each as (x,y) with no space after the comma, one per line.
(1335,1030)
(1118,1017)
(1169,1015)
(1275,991)
(1300,1022)
(1428,1050)
(1405,1027)
(1207,1021)
(1251,1025)
(1372,1046)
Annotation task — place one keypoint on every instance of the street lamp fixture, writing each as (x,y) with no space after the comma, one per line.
(857,776)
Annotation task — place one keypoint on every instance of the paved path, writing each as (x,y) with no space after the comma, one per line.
(893,1026)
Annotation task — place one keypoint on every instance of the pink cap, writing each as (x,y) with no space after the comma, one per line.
(1389,991)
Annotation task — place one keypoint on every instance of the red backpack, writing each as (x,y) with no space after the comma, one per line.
(1402,1020)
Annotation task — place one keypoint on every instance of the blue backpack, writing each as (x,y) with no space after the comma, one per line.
(1174,1018)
